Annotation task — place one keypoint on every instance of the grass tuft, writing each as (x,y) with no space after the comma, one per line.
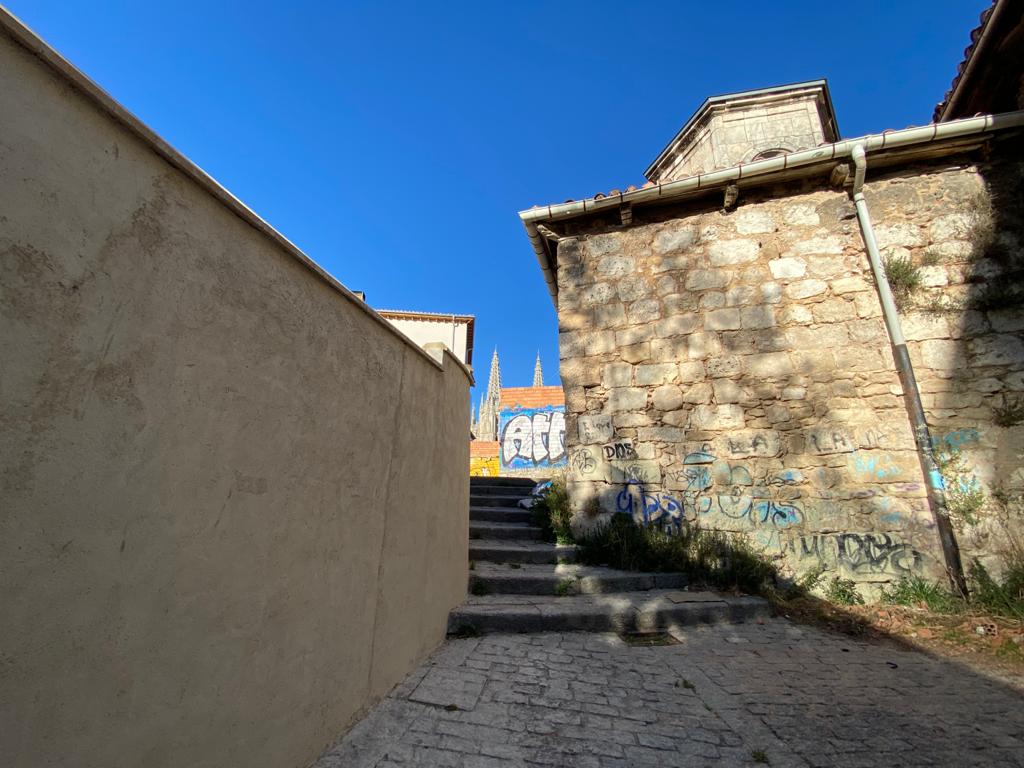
(904,277)
(843,592)
(1010,413)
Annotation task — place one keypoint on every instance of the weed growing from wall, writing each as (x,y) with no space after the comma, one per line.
(904,278)
(964,495)
(843,592)
(1010,413)
(552,514)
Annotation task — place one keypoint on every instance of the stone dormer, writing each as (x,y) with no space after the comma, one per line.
(751,125)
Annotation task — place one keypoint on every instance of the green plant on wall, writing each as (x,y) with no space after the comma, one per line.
(904,278)
(843,592)
(1009,413)
(965,497)
(552,513)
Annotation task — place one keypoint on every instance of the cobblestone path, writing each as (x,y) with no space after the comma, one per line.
(741,695)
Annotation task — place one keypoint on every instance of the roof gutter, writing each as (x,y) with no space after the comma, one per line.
(680,188)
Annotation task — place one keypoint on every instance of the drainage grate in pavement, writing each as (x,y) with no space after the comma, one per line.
(647,639)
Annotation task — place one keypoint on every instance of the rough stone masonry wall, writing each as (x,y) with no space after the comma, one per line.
(734,369)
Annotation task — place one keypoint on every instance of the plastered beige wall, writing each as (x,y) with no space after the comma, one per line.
(234,504)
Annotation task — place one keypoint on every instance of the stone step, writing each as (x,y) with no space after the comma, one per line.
(522,531)
(490,578)
(500,514)
(655,610)
(506,551)
(501,490)
(495,500)
(517,482)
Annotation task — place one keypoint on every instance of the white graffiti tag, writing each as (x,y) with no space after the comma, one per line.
(537,439)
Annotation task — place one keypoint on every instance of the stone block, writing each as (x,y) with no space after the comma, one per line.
(752,221)
(657,373)
(919,326)
(575,399)
(702,344)
(612,315)
(725,252)
(573,321)
(581,371)
(867,305)
(787,268)
(599,342)
(678,303)
(598,293)
(771,293)
(616,265)
(603,245)
(727,391)
(827,267)
(1001,349)
(724,366)
(933,277)
(644,311)
(571,344)
(818,245)
(802,215)
(595,428)
(623,399)
(660,434)
(633,288)
(738,295)
(636,353)
(691,371)
(722,320)
(843,285)
(634,335)
(749,443)
(757,317)
(953,226)
(665,286)
(902,233)
(942,354)
(714,417)
(630,420)
(672,264)
(617,375)
(833,311)
(804,289)
(569,252)
(703,279)
(697,393)
(675,238)
(678,325)
(667,397)
(712,300)
(670,350)
(769,365)
(795,314)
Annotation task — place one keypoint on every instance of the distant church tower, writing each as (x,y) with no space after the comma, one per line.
(538,375)
(490,404)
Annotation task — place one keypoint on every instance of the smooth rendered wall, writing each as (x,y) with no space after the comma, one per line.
(234,502)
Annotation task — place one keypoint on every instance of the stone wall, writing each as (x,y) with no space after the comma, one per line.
(732,368)
(235,501)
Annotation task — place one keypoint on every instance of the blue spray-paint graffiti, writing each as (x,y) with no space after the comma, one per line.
(745,499)
(533,438)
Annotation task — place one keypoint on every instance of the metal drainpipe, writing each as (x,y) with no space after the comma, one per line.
(912,396)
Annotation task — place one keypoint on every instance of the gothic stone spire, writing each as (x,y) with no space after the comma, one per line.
(538,375)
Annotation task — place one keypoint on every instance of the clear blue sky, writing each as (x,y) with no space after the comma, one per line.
(395,142)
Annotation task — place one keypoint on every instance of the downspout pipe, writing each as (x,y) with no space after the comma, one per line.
(911,394)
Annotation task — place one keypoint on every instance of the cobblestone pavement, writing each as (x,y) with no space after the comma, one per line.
(730,695)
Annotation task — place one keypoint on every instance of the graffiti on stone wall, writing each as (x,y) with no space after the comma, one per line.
(860,554)
(718,493)
(532,437)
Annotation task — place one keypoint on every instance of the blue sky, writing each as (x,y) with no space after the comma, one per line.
(395,142)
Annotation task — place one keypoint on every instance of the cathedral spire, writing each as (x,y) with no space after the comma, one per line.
(538,375)
(494,382)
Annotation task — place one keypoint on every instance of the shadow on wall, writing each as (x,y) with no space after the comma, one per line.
(733,369)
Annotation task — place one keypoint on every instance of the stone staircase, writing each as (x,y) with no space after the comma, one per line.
(520,583)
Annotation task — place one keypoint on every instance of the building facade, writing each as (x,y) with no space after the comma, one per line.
(727,364)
